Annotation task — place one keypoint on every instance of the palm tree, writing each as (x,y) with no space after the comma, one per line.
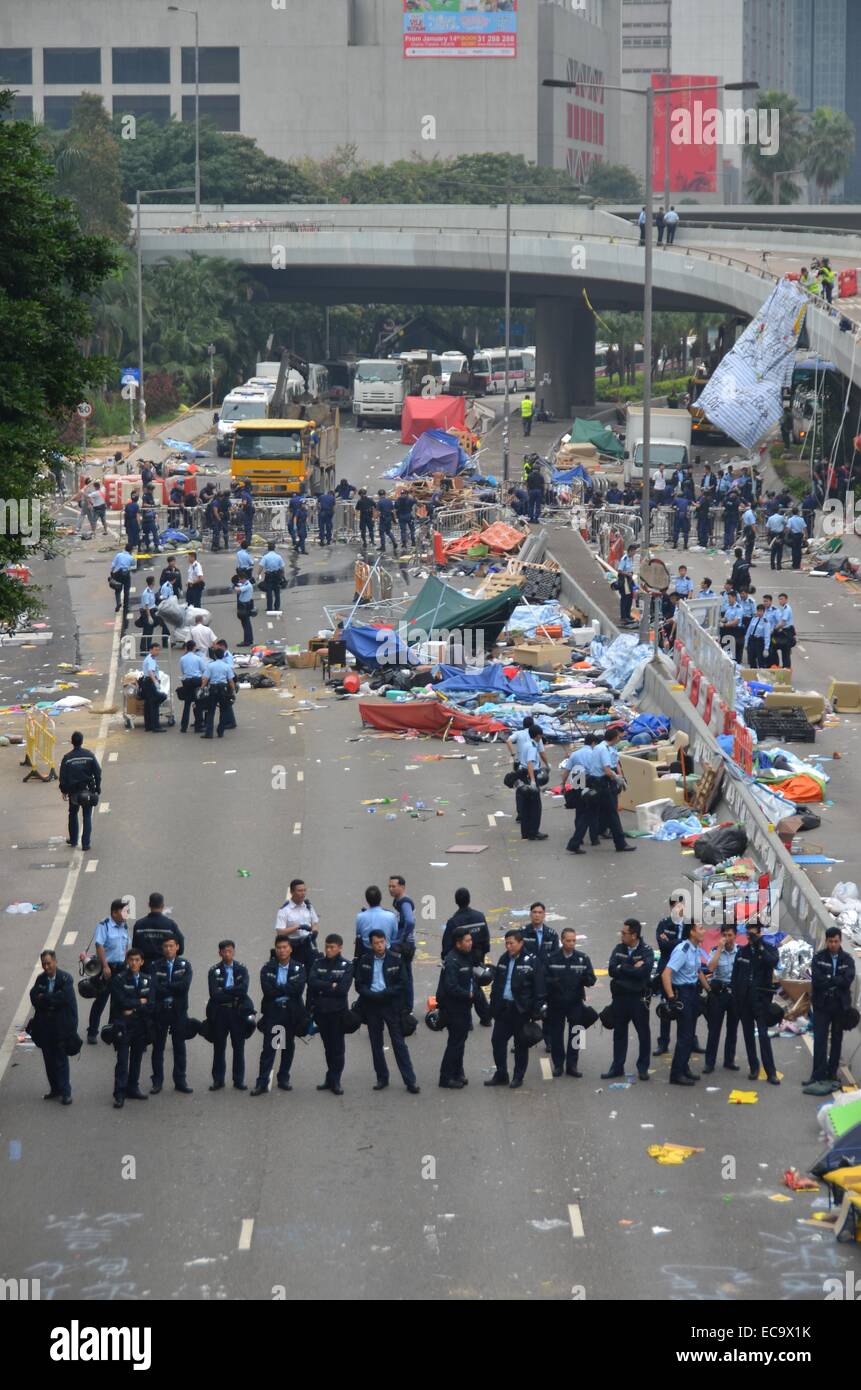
(769,177)
(830,147)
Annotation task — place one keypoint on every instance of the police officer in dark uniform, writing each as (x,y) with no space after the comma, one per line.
(300,523)
(467,916)
(630,972)
(752,992)
(80,776)
(703,511)
(365,513)
(381,984)
(568,974)
(328,986)
(541,941)
(133,997)
(151,931)
(517,995)
(227,1009)
(171,982)
(404,507)
(832,972)
(283,983)
(455,993)
(386,509)
(54,1024)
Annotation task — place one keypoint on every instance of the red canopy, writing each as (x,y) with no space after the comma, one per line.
(425,716)
(431,413)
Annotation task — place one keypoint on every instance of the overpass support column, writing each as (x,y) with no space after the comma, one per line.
(565,348)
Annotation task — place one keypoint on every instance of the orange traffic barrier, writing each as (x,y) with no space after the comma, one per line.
(40,747)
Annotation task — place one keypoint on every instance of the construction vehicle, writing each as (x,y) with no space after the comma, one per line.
(280,458)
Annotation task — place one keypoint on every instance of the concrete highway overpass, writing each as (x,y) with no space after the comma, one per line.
(426,254)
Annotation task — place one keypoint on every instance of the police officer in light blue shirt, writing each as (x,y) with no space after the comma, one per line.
(719,1004)
(244,563)
(121,570)
(734,624)
(244,605)
(374,918)
(219,682)
(123,561)
(111,940)
(679,978)
(796,529)
(775,527)
(272,573)
(192,668)
(683,585)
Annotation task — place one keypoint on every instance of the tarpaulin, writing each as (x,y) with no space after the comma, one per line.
(802,788)
(744,397)
(367,644)
(422,413)
(594,432)
(426,717)
(570,475)
(492,678)
(434,452)
(438,607)
(501,537)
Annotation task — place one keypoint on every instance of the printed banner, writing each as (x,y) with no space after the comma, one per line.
(460,28)
(745,395)
(694,159)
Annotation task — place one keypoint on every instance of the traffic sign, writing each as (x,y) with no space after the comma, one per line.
(85,410)
(129,375)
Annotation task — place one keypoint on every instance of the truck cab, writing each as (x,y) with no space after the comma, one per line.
(245,403)
(280,458)
(379,389)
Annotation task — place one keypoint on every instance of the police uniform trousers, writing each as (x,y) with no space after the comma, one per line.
(168,1021)
(366,530)
(56,1060)
(386,534)
(459,1017)
(330,1026)
(287,1039)
(563,1055)
(123,593)
(608,811)
(194,594)
(631,1008)
(187,692)
(377,1015)
(704,529)
(796,541)
(508,1025)
(719,1010)
(749,543)
(219,699)
(585,821)
(227,1022)
(153,699)
(87,817)
(130,1046)
(776,556)
(825,1060)
(408,532)
(529,810)
(753,1021)
(756,653)
(301,535)
(686,1025)
(324,527)
(272,589)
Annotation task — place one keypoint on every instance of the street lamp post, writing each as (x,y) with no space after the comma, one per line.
(650,93)
(506,424)
(667,190)
(211,351)
(144,193)
(180,9)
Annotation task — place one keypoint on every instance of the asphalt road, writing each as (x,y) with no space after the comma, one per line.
(548,1194)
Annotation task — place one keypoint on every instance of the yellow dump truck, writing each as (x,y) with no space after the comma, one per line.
(283,457)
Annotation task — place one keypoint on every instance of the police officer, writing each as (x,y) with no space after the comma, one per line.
(752,992)
(748,521)
(630,971)
(152,930)
(192,668)
(131,520)
(111,941)
(540,940)
(222,504)
(325,517)
(527,410)
(272,574)
(404,944)
(796,529)
(681,521)
(680,977)
(194,580)
(365,512)
(703,510)
(535,492)
(218,682)
(55,1023)
(519,742)
(153,695)
(783,631)
(298,920)
(223,653)
(832,972)
(299,512)
(147,605)
(121,572)
(80,777)
(668,933)
(171,982)
(581,765)
(757,638)
(328,986)
(625,583)
(283,982)
(149,522)
(404,507)
(468,916)
(568,974)
(455,993)
(733,627)
(527,796)
(245,563)
(132,1006)
(244,608)
(516,995)
(607,785)
(386,511)
(719,1005)
(731,507)
(227,1009)
(381,985)
(775,527)
(683,585)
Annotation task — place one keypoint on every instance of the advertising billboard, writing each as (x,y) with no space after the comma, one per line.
(460,28)
(692,144)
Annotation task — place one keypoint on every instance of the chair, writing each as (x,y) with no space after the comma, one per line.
(334,654)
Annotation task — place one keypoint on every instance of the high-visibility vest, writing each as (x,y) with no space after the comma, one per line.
(527,406)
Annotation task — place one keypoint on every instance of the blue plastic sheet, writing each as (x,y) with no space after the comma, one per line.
(491,678)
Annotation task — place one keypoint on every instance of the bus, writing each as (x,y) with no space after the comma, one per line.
(528,355)
(816,400)
(488,364)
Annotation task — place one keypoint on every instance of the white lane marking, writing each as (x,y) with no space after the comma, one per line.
(476,769)
(546,1073)
(576,1220)
(245,1233)
(104,807)
(65,901)
(91,866)
(292,728)
(491,820)
(297,827)
(70,938)
(300,776)
(506,884)
(112,757)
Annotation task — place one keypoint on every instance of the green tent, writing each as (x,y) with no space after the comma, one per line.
(439,607)
(594,432)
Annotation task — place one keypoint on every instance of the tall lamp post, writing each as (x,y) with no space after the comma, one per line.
(649,96)
(144,193)
(180,9)
(506,423)
(211,352)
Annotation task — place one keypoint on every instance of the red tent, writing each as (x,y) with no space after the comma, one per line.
(431,413)
(425,717)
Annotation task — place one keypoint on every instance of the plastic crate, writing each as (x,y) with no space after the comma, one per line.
(787,726)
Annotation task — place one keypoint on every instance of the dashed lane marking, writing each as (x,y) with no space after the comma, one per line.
(576,1220)
(245,1233)
(300,776)
(104,807)
(112,757)
(91,866)
(491,820)
(70,938)
(476,769)
(297,827)
(546,1072)
(506,884)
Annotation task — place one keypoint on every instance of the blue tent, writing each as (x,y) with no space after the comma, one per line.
(844,1153)
(368,644)
(570,475)
(491,678)
(434,452)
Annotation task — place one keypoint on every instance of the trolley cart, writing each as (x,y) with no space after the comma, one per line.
(133,706)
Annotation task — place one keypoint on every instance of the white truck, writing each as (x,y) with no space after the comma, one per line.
(243,403)
(670,440)
(380,387)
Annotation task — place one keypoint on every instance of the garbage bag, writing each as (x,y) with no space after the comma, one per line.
(727,842)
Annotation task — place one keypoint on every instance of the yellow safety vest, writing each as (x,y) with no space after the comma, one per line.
(527,407)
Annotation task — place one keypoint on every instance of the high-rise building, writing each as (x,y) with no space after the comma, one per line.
(826,44)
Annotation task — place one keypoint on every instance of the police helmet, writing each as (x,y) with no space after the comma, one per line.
(72,1045)
(531,1033)
(352,1020)
(587,1016)
(482,974)
(409,1023)
(433,1021)
(206,1031)
(774,1015)
(248,1023)
(607,1017)
(849,1019)
(191,1028)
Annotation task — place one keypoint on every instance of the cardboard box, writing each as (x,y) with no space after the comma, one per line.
(301,661)
(540,655)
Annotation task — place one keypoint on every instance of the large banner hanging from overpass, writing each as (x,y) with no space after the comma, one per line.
(460,28)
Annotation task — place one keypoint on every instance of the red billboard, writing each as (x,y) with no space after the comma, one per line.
(694,134)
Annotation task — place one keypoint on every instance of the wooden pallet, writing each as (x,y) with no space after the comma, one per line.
(497,584)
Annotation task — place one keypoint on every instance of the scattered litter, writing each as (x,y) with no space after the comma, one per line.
(671,1153)
(466,849)
(629,895)
(743,1098)
(661,1231)
(243,873)
(550,1223)
(230,772)
(26,907)
(438,866)
(796,1182)
(779,1197)
(620,1086)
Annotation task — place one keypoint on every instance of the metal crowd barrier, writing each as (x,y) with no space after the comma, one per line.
(459,521)
(40,747)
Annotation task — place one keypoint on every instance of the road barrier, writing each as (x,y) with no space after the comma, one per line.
(40,746)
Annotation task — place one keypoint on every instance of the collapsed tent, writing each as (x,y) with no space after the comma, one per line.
(425,717)
(491,678)
(594,432)
(434,452)
(423,413)
(438,608)
(570,475)
(845,1152)
(375,646)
